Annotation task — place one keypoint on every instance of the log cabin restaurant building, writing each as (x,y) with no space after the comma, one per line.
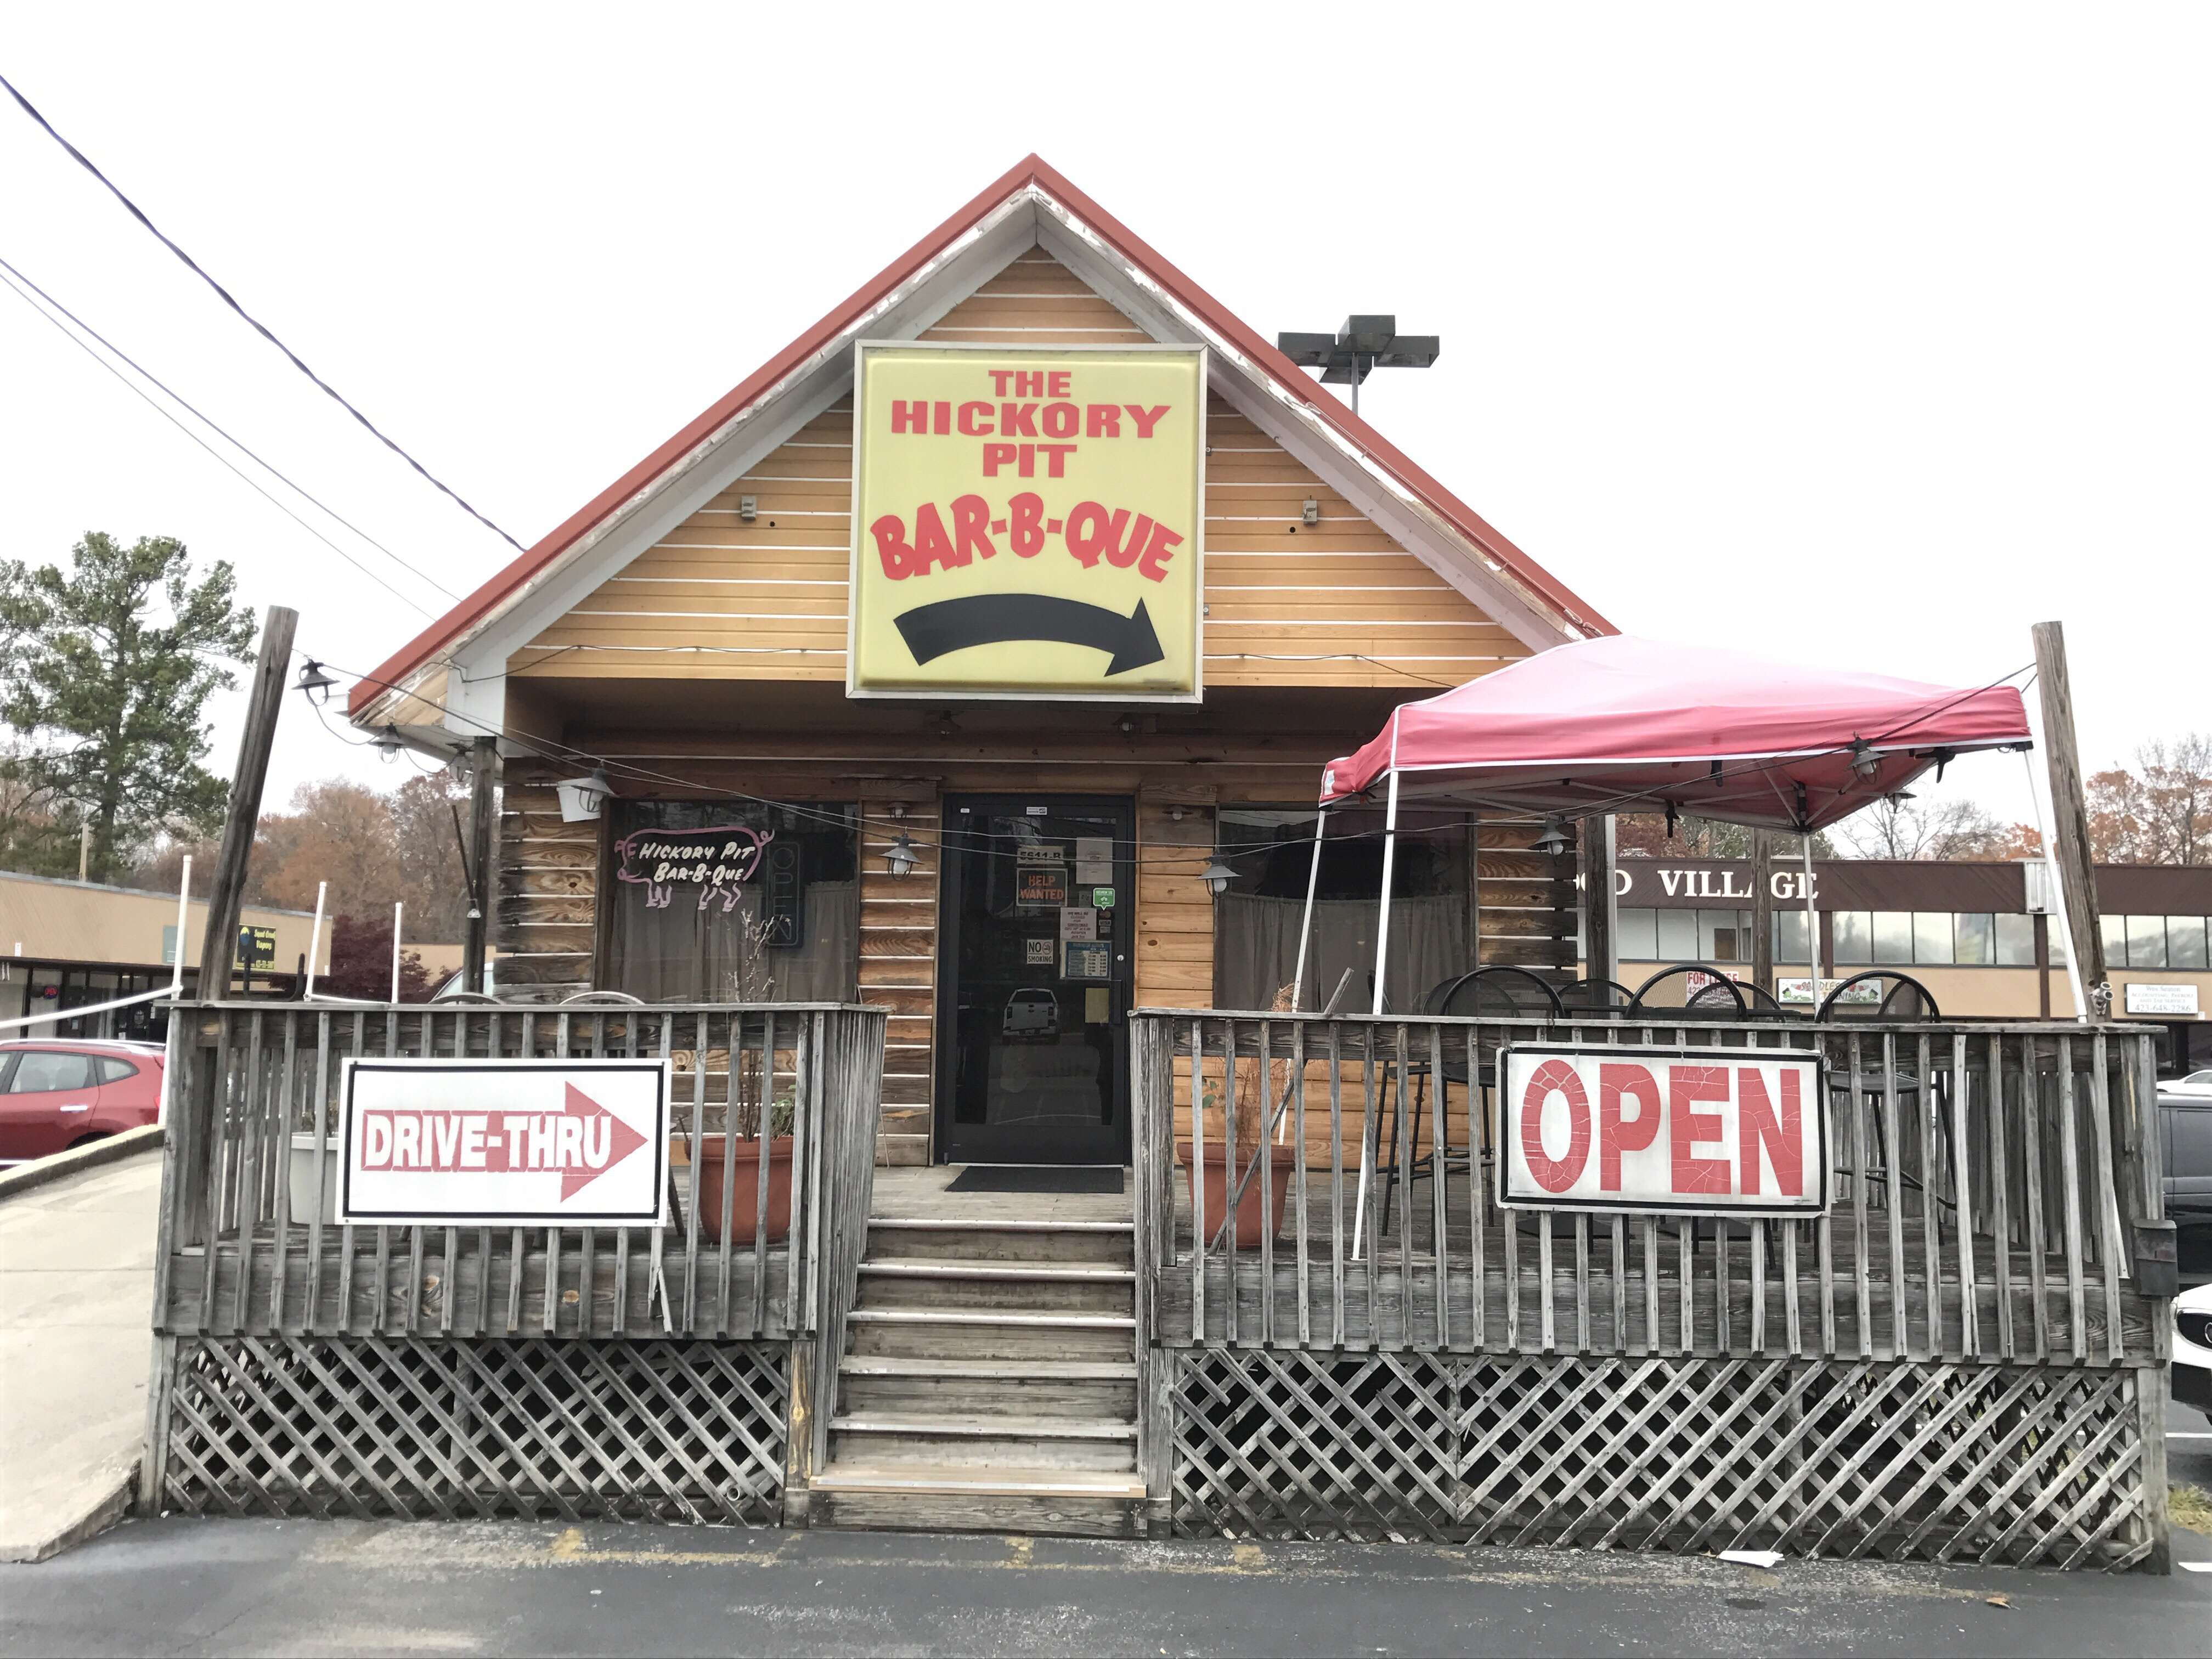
(1123,580)
(977,659)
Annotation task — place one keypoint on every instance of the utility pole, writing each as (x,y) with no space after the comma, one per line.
(84,854)
(2070,823)
(220,943)
(482,811)
(1762,912)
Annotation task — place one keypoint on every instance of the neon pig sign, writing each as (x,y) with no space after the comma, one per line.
(718,861)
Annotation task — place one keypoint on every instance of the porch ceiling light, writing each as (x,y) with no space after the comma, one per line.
(902,855)
(582,799)
(313,683)
(1217,876)
(1553,840)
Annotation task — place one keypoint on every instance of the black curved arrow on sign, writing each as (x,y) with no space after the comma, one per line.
(931,630)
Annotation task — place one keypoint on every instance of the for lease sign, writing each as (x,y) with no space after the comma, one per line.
(1704,1131)
(497,1142)
(1027,523)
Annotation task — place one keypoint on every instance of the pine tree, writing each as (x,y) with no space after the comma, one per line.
(110,665)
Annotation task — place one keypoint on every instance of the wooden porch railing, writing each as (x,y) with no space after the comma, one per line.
(246,1247)
(1990,1180)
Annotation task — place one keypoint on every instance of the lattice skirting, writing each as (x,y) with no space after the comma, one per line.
(664,1430)
(1896,1460)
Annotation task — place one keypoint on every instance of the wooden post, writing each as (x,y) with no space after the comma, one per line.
(2070,815)
(482,811)
(1762,911)
(219,945)
(1601,936)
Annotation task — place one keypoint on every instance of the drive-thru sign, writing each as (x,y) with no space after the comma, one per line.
(1696,1131)
(500,1142)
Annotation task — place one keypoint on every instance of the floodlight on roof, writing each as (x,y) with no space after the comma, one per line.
(1363,344)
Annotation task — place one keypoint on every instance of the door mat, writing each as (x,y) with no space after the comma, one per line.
(1037,1178)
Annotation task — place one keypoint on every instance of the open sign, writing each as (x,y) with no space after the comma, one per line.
(1700,1131)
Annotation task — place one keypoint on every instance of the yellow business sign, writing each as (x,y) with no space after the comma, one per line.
(1026,522)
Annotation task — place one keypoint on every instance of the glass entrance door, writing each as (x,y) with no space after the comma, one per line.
(1033,1005)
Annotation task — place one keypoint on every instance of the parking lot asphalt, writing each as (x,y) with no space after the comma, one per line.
(189,1586)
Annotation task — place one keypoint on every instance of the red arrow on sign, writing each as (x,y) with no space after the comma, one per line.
(621,1141)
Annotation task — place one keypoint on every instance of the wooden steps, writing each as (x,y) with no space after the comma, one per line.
(990,1380)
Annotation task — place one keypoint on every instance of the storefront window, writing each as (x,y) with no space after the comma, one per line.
(1256,920)
(1853,933)
(1640,936)
(2015,941)
(1975,942)
(1931,938)
(2115,933)
(2146,941)
(2185,942)
(715,902)
(1789,936)
(1678,936)
(1724,935)
(1893,936)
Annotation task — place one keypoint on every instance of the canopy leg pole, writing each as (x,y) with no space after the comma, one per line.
(1389,859)
(1382,951)
(1812,926)
(1305,927)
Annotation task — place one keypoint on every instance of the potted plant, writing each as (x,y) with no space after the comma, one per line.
(1257,1100)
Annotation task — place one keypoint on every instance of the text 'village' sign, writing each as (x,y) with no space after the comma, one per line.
(496,1142)
(1027,523)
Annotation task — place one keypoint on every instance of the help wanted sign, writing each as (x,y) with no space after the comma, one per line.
(577,1143)
(1703,1132)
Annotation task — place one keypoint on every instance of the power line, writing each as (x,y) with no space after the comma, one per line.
(217,428)
(222,293)
(139,392)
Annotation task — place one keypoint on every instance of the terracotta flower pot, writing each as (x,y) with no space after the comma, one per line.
(1249,1221)
(745,1199)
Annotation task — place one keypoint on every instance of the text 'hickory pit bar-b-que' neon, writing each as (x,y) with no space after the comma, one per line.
(1625,725)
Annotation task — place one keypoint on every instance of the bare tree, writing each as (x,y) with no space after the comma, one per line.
(1898,827)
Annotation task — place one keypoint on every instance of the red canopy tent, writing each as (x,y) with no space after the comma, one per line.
(1620,724)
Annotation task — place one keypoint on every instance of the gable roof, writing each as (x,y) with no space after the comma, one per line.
(1031,175)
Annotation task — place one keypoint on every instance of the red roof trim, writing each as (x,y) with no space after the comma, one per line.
(1031,170)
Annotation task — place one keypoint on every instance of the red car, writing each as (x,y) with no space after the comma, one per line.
(57,1093)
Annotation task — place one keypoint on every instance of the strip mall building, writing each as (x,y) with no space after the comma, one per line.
(937,662)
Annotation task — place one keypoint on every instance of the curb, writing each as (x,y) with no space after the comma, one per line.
(110,1150)
(110,1507)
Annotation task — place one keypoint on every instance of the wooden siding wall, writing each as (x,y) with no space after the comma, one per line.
(898,965)
(544,928)
(1337,603)
(1526,900)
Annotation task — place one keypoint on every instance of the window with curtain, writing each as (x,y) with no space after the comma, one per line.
(760,904)
(1256,920)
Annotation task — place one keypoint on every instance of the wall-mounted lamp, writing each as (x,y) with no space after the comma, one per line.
(315,683)
(1127,726)
(1553,840)
(1175,814)
(1310,512)
(582,799)
(902,854)
(1217,876)
(898,809)
(748,509)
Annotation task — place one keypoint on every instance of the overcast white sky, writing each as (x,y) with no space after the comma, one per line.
(1869,335)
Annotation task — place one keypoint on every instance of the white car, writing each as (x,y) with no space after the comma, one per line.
(2193,1349)
(2197,1082)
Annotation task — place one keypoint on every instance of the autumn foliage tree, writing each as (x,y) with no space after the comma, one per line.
(360,962)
